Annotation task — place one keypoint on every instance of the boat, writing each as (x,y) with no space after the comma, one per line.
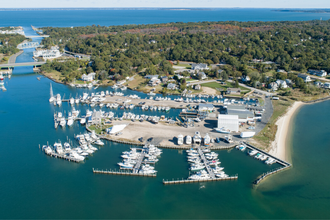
(270,161)
(197,167)
(58,148)
(99,142)
(197,120)
(247,134)
(207,139)
(62,122)
(197,138)
(67,147)
(52,98)
(83,120)
(70,120)
(253,152)
(202,175)
(180,139)
(229,139)
(151,93)
(222,130)
(188,139)
(71,101)
(125,165)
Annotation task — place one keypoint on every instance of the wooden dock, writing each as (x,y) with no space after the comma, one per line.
(207,166)
(122,173)
(167,182)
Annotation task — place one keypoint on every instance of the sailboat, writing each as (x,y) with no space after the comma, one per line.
(51,99)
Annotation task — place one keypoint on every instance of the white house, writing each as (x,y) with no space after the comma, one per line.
(90,77)
(47,54)
(202,75)
(273,86)
(151,77)
(199,66)
(306,78)
(171,86)
(245,79)
(281,84)
(320,73)
(326,85)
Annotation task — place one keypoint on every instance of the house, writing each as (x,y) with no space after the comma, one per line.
(89,77)
(154,82)
(326,85)
(197,87)
(201,75)
(245,79)
(151,76)
(152,42)
(273,86)
(164,79)
(288,82)
(233,91)
(205,107)
(281,84)
(281,71)
(320,73)
(171,86)
(96,117)
(306,78)
(199,66)
(318,83)
(179,76)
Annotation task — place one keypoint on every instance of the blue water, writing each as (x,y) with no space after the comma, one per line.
(33,185)
(68,18)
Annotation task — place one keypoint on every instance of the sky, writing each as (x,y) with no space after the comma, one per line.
(166,3)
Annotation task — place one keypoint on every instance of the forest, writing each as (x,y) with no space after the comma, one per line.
(147,49)
(9,42)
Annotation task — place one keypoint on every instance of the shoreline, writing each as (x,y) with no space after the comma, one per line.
(279,147)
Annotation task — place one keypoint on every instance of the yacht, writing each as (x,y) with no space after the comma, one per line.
(270,161)
(62,122)
(221,175)
(229,139)
(197,167)
(71,101)
(125,165)
(76,101)
(70,120)
(99,142)
(47,149)
(58,147)
(207,140)
(197,138)
(67,147)
(83,120)
(76,156)
(202,175)
(188,139)
(180,139)
(222,130)
(253,152)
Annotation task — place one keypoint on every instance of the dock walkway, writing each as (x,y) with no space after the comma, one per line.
(207,166)
(122,173)
(167,182)
(63,157)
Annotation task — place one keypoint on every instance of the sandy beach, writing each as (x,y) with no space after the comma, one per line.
(278,146)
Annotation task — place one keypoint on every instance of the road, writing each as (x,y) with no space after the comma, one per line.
(22,64)
(12,58)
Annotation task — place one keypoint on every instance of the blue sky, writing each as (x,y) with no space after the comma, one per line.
(166,3)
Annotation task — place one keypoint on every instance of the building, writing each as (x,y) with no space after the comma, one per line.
(201,75)
(245,79)
(199,66)
(320,73)
(243,114)
(230,122)
(273,86)
(96,118)
(197,87)
(205,107)
(233,91)
(151,76)
(164,79)
(281,84)
(288,82)
(171,86)
(47,54)
(305,77)
(89,77)
(154,82)
(326,85)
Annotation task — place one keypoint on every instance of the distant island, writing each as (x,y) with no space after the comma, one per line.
(305,10)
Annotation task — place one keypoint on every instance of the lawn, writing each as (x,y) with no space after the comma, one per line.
(216,85)
(184,65)
(99,128)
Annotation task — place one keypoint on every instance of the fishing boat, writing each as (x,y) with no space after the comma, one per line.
(229,139)
(188,139)
(222,130)
(207,140)
(197,138)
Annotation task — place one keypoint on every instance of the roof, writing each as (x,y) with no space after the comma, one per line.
(222,116)
(116,128)
(151,76)
(205,106)
(302,75)
(199,65)
(241,114)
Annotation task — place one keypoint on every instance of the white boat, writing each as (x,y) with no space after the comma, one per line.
(70,121)
(197,138)
(222,130)
(229,139)
(247,134)
(58,147)
(67,147)
(71,101)
(202,175)
(83,120)
(207,140)
(188,139)
(253,152)
(99,142)
(151,93)
(270,161)
(62,122)
(126,165)
(197,167)
(197,120)
(180,139)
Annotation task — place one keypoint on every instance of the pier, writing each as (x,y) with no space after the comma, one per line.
(263,176)
(122,173)
(63,157)
(207,166)
(167,182)
(139,162)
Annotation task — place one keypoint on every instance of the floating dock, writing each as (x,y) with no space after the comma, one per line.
(63,157)
(167,182)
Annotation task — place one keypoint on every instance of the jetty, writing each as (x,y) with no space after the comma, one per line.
(285,165)
(127,173)
(63,156)
(168,182)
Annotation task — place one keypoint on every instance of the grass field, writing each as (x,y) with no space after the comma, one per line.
(215,85)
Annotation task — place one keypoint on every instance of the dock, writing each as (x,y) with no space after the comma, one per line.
(285,165)
(127,173)
(207,166)
(63,157)
(137,166)
(167,182)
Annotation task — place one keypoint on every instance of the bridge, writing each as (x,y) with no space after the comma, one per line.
(26,45)
(12,65)
(37,36)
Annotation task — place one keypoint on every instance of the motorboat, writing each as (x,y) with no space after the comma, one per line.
(247,134)
(188,139)
(67,147)
(202,175)
(125,165)
(180,139)
(197,167)
(58,148)
(70,120)
(83,120)
(207,140)
(197,138)
(222,130)
(62,122)
(98,142)
(229,139)
(253,152)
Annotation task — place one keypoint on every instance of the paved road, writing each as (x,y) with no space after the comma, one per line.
(12,58)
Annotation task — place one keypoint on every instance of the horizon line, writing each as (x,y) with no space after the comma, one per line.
(283,8)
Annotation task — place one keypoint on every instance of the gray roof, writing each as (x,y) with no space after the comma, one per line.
(241,114)
(205,106)
(199,65)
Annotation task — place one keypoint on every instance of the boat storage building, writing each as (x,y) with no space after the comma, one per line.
(230,122)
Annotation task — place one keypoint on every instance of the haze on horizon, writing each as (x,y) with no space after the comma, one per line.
(165,4)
